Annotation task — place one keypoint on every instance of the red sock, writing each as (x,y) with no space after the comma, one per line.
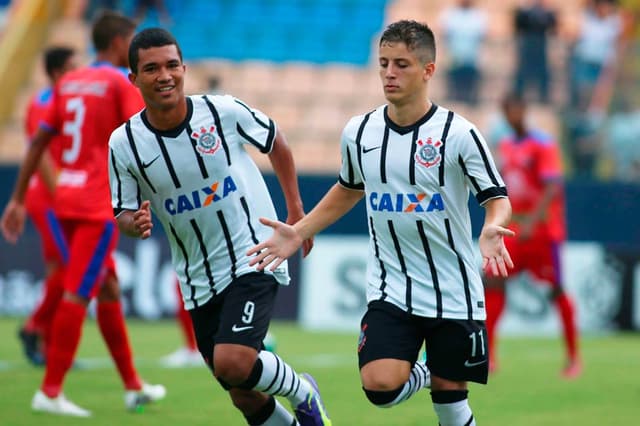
(42,317)
(114,333)
(495,301)
(184,320)
(568,318)
(65,338)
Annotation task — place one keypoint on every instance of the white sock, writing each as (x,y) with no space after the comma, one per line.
(455,413)
(278,378)
(280,417)
(418,379)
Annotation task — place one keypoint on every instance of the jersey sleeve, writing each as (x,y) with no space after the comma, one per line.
(253,126)
(350,172)
(549,163)
(125,192)
(479,167)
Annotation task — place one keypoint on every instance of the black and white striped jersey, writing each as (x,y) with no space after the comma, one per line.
(203,186)
(416,181)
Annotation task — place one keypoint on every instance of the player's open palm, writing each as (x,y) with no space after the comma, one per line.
(12,222)
(495,257)
(284,242)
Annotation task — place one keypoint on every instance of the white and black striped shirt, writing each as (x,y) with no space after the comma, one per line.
(203,186)
(417,181)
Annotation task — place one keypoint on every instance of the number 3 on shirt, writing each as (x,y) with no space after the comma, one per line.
(73,128)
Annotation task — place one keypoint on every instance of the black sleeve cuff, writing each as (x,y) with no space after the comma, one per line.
(358,186)
(494,192)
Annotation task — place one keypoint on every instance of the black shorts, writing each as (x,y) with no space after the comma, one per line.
(457,350)
(239,315)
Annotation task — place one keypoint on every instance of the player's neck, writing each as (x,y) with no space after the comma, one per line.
(167,119)
(407,114)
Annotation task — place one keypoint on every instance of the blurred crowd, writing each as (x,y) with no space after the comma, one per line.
(593,90)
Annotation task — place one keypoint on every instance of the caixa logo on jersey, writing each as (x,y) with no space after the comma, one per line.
(405,203)
(201,198)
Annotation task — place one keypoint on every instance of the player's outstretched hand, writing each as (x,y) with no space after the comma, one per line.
(283,243)
(12,222)
(495,257)
(142,220)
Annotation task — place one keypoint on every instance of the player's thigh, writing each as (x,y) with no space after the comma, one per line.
(91,246)
(54,245)
(544,260)
(457,349)
(389,344)
(515,247)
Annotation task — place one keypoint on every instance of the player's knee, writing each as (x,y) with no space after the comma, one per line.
(383,398)
(234,367)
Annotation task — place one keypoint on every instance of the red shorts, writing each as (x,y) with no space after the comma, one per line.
(54,245)
(91,246)
(539,256)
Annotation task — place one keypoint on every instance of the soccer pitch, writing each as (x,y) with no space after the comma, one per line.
(526,391)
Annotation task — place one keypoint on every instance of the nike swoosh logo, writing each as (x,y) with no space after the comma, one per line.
(145,165)
(473,364)
(237,329)
(365,150)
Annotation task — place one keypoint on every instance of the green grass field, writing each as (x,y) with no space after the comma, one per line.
(526,391)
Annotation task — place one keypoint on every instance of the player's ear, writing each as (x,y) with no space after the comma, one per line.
(429,70)
(132,78)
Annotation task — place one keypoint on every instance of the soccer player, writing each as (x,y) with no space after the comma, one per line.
(185,159)
(415,163)
(87,104)
(532,168)
(39,204)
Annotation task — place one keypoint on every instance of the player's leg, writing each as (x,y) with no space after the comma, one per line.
(235,322)
(187,355)
(388,348)
(457,353)
(87,244)
(34,334)
(111,322)
(495,299)
(549,270)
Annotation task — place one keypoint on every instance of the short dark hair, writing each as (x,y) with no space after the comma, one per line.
(148,38)
(108,25)
(513,100)
(415,35)
(55,58)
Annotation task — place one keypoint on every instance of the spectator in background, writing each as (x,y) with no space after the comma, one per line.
(143,7)
(39,204)
(595,47)
(531,165)
(464,27)
(533,24)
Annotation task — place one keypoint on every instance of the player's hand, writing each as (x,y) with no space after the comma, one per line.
(12,221)
(142,220)
(307,244)
(495,257)
(283,243)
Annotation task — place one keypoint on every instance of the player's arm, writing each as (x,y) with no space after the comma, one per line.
(495,257)
(287,239)
(13,217)
(137,224)
(284,168)
(48,172)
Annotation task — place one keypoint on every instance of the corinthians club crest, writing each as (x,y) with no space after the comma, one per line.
(207,140)
(428,153)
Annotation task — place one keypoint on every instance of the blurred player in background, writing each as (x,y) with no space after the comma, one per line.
(185,158)
(531,164)
(415,162)
(39,204)
(87,104)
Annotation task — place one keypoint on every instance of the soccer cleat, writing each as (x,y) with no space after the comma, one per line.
(573,370)
(183,357)
(135,400)
(58,405)
(311,412)
(30,347)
